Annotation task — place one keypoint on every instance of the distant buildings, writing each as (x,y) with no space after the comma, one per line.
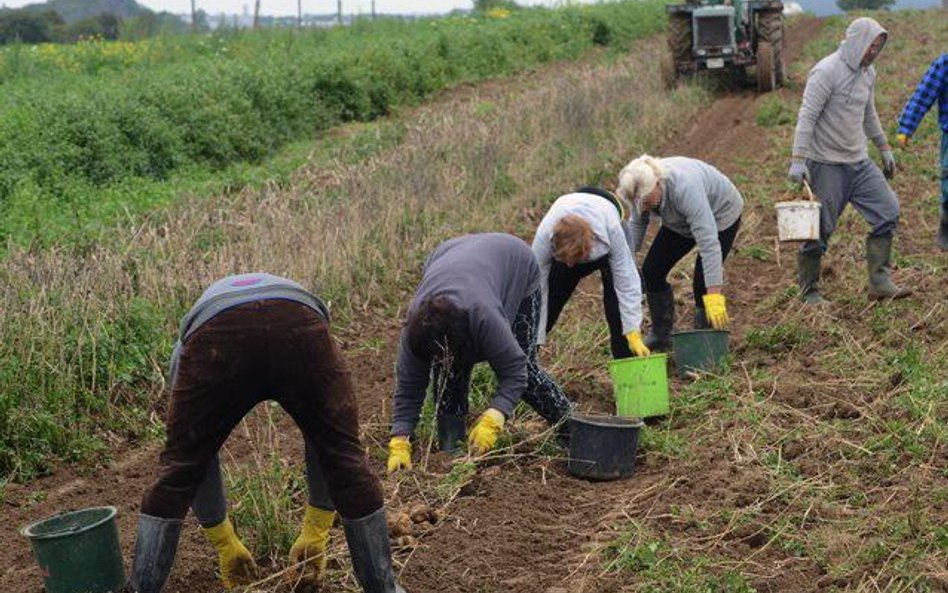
(244,20)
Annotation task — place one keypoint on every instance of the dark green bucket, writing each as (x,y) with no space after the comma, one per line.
(700,350)
(78,552)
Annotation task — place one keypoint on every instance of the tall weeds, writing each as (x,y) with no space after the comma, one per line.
(87,330)
(77,120)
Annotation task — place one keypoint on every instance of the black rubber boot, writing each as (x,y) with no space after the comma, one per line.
(808,277)
(371,555)
(154,553)
(451,433)
(942,239)
(661,306)
(878,259)
(701,319)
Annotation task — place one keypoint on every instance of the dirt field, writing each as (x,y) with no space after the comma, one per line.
(521,524)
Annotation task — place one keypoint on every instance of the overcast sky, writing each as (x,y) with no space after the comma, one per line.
(284,7)
(288,7)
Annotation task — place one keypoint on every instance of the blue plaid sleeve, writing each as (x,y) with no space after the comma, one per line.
(933,85)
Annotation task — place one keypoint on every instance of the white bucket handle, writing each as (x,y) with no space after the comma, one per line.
(809,192)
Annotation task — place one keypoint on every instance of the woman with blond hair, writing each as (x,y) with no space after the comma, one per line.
(580,234)
(697,205)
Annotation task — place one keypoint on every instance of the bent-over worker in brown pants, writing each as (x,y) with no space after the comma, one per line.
(250,338)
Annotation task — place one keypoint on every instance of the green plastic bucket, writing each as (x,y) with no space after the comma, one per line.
(700,350)
(78,552)
(640,385)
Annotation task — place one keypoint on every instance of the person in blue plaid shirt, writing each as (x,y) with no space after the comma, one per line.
(933,87)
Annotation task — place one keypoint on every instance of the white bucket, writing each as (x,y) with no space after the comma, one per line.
(798,220)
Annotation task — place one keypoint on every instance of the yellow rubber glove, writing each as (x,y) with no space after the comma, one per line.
(483,436)
(236,563)
(399,454)
(714,306)
(308,553)
(902,140)
(636,345)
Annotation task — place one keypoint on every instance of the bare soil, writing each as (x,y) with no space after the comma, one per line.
(522,524)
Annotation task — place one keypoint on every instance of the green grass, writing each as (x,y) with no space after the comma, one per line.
(656,567)
(93,133)
(774,111)
(110,372)
(266,495)
(462,472)
(779,338)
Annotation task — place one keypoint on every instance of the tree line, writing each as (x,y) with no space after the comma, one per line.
(48,26)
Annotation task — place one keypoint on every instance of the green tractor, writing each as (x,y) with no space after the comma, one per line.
(740,37)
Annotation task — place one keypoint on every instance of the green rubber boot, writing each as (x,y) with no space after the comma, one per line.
(878,260)
(808,277)
(942,239)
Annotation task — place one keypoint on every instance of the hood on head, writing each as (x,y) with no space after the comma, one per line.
(859,36)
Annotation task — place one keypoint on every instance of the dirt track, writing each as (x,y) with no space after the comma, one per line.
(525,527)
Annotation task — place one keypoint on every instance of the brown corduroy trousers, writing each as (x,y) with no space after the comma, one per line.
(265,350)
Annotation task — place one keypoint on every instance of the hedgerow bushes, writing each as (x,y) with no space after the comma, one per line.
(74,120)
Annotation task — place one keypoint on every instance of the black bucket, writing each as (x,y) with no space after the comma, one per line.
(602,447)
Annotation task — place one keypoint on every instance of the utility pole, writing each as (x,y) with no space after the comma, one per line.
(299,14)
(373,9)
(339,10)
(194,20)
(256,14)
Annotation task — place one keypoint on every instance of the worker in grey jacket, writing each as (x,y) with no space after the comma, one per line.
(249,338)
(582,233)
(830,150)
(698,206)
(478,300)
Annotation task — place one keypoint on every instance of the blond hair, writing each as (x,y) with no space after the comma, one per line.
(572,239)
(639,178)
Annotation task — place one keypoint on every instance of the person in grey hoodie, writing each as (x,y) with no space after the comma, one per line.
(830,151)
(698,206)
(478,300)
(249,338)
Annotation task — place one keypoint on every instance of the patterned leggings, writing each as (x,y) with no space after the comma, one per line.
(542,394)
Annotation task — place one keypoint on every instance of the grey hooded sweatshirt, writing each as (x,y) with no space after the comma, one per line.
(838,112)
(698,202)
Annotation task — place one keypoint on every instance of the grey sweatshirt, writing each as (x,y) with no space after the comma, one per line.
(609,239)
(237,290)
(698,202)
(488,276)
(838,112)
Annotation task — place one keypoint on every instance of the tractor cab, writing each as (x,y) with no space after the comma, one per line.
(714,36)
(733,36)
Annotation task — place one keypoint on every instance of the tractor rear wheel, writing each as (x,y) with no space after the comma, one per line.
(669,70)
(766,68)
(770,30)
(679,37)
